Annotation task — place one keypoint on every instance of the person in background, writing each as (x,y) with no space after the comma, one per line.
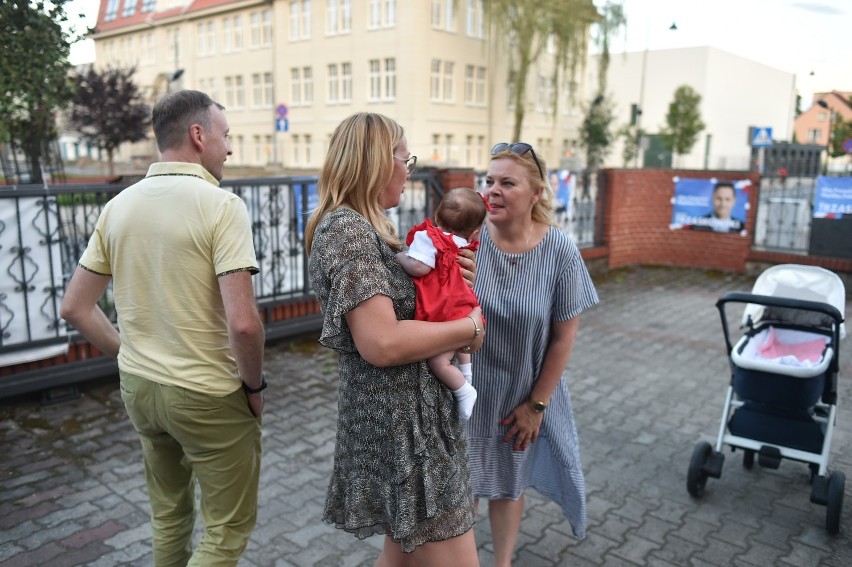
(400,459)
(442,294)
(179,252)
(533,284)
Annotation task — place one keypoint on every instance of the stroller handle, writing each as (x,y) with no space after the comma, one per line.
(772,301)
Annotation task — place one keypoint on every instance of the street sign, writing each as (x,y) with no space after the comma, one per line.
(281,111)
(761,138)
(282,124)
(847,145)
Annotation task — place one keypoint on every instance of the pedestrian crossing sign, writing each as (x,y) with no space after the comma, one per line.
(761,138)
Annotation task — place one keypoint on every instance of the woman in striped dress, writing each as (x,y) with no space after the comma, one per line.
(532,285)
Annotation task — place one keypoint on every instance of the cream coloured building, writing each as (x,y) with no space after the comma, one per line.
(427,63)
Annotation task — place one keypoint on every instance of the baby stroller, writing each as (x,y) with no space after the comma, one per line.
(781,402)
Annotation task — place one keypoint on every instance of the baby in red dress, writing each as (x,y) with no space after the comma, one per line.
(442,294)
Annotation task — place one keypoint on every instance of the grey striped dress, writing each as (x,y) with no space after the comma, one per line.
(521,294)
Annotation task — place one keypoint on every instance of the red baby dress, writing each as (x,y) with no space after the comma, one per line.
(442,294)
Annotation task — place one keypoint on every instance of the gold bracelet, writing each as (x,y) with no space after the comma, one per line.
(476,332)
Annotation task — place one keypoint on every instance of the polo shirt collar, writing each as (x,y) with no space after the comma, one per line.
(181,168)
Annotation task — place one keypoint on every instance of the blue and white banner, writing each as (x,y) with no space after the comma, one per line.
(710,204)
(833,197)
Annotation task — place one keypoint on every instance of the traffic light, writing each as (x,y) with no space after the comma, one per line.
(635,111)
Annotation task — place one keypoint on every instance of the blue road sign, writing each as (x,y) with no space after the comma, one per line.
(761,138)
(282,124)
(847,145)
(281,111)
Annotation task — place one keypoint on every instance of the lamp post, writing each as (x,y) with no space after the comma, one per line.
(637,110)
(829,136)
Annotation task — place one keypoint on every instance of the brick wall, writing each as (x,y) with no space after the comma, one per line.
(638,210)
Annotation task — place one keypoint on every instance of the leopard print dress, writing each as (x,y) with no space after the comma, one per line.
(400,461)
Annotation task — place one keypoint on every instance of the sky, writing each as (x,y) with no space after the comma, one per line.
(809,38)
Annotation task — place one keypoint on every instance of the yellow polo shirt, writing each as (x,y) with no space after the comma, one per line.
(164,241)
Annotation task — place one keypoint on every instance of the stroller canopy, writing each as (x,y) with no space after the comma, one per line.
(794,281)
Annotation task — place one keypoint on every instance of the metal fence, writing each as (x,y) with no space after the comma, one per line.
(44,230)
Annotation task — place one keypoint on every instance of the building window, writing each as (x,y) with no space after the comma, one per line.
(435,82)
(254,27)
(346,82)
(381,14)
(814,135)
(295,86)
(474,19)
(238,33)
(296,140)
(308,80)
(375,80)
(149,53)
(211,37)
(295,20)
(331,17)
(268,90)
(212,88)
(239,92)
(480,86)
(226,35)
(256,91)
(229,92)
(306,19)
(111,10)
(390,79)
(308,149)
(258,149)
(266,28)
(148,5)
(129,8)
(449,92)
(333,84)
(469,71)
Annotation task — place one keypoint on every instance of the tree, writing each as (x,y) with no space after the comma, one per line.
(108,109)
(528,27)
(632,138)
(595,134)
(683,121)
(611,22)
(33,74)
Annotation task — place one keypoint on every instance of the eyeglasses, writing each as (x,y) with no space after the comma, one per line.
(519,149)
(410,163)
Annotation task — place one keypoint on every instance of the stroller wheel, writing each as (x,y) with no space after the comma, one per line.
(836,485)
(748,459)
(696,478)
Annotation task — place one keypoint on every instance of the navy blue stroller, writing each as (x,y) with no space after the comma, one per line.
(782,398)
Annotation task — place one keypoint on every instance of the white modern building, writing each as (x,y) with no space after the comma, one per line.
(736,94)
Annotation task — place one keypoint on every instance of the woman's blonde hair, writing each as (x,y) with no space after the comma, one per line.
(542,210)
(356,172)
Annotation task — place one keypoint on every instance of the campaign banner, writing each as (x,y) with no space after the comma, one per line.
(710,204)
(833,197)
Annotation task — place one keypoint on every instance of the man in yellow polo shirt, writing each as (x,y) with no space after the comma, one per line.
(178,250)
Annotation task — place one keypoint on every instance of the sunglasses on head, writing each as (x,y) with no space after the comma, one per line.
(519,149)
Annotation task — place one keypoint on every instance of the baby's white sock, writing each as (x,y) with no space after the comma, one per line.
(465,398)
(467,372)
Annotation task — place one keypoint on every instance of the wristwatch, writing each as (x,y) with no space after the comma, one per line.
(249,390)
(538,406)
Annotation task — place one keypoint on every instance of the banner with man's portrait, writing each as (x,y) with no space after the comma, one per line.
(710,205)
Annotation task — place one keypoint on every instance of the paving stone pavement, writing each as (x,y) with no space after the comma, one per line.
(648,378)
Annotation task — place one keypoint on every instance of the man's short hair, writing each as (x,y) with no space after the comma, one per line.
(176,112)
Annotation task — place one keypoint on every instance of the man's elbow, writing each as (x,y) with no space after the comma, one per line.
(248,328)
(69,312)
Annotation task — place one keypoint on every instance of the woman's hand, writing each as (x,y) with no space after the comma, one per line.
(524,425)
(467,262)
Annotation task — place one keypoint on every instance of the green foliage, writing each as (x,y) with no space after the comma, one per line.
(631,136)
(612,21)
(33,74)
(683,121)
(840,132)
(108,109)
(524,29)
(595,134)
